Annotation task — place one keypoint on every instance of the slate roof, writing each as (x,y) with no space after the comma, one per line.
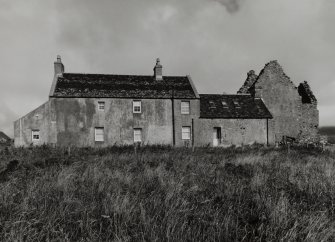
(123,86)
(232,106)
(4,138)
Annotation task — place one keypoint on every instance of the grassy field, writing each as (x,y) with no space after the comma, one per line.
(165,194)
(329,131)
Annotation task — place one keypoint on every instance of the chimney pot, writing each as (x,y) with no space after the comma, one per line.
(59,67)
(158,70)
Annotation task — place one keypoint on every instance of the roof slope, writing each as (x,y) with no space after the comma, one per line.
(4,138)
(123,86)
(232,106)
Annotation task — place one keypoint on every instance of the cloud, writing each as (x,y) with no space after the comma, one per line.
(232,6)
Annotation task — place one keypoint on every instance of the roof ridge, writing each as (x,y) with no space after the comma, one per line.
(242,94)
(114,85)
(110,74)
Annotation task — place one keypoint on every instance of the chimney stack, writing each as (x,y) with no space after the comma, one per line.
(158,71)
(59,67)
(59,70)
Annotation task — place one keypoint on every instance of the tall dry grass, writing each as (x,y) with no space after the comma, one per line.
(165,194)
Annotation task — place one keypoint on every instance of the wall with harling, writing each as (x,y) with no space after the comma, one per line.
(72,121)
(233,131)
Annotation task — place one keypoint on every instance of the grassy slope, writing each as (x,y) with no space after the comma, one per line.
(168,194)
(328,131)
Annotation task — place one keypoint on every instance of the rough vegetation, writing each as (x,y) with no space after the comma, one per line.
(329,132)
(165,194)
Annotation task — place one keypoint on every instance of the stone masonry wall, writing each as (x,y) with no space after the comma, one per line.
(291,117)
(72,121)
(42,119)
(233,131)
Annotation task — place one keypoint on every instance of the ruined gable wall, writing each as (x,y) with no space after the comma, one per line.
(291,117)
(309,122)
(249,82)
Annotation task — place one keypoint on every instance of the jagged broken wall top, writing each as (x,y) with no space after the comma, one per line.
(306,93)
(294,108)
(251,79)
(304,90)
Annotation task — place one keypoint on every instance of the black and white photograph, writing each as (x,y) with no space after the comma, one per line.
(167,120)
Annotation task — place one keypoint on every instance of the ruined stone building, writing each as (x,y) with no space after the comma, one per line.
(294,109)
(103,110)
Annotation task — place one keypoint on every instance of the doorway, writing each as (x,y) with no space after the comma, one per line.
(216,136)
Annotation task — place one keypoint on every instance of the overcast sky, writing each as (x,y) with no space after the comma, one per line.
(215,41)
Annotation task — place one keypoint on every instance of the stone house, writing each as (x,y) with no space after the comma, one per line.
(102,110)
(231,119)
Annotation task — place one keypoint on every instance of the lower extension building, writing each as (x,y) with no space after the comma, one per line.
(102,110)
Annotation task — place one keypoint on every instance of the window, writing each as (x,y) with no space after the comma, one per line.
(237,105)
(224,104)
(101,106)
(211,104)
(137,107)
(99,134)
(185,107)
(35,135)
(186,133)
(137,135)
